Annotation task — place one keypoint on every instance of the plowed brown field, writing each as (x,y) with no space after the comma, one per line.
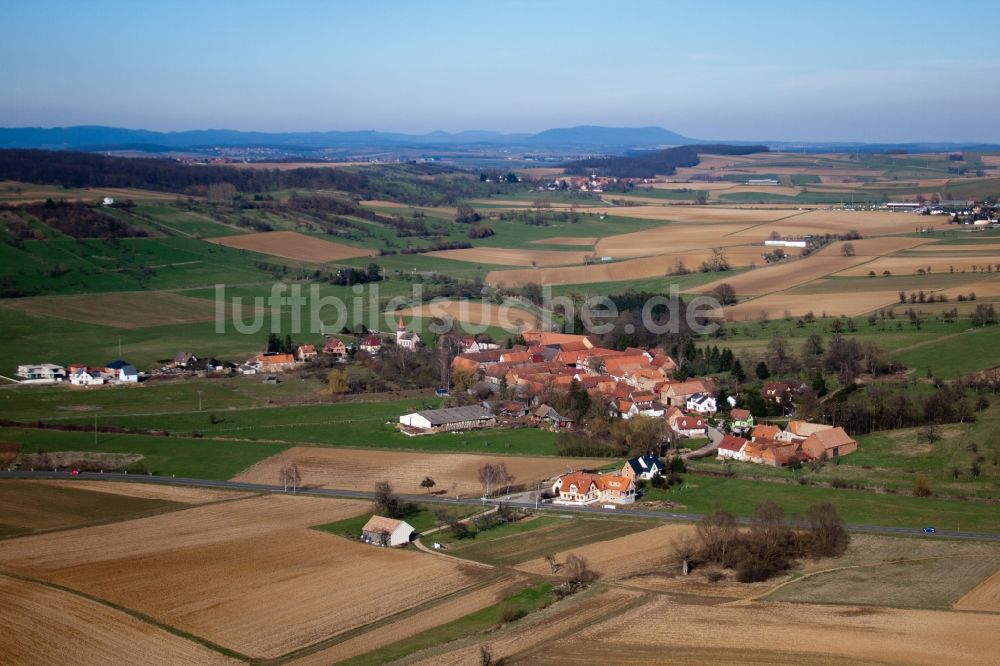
(630,269)
(293,245)
(821,635)
(247,574)
(42,625)
(632,554)
(983,597)
(479,314)
(361,469)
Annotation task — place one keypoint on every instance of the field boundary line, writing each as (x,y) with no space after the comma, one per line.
(138,615)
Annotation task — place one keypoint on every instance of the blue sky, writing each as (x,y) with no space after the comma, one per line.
(889,71)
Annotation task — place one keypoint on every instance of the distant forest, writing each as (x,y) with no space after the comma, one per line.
(662,162)
(402,182)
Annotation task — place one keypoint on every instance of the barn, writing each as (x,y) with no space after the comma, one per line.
(382,531)
(451,418)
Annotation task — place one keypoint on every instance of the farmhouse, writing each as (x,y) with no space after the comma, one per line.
(765,431)
(643,467)
(381,531)
(801,430)
(451,418)
(41,372)
(582,488)
(831,443)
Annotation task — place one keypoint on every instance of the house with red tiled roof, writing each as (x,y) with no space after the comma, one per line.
(581,488)
(765,431)
(371,344)
(731,446)
(306,353)
(689,426)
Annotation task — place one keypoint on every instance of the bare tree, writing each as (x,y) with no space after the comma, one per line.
(385,501)
(486,657)
(578,570)
(554,566)
(848,250)
(289,475)
(719,537)
(686,549)
(494,476)
(827,535)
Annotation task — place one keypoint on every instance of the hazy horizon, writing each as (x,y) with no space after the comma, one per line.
(723,71)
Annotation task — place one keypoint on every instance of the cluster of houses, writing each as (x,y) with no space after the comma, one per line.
(799,442)
(631,382)
(79,374)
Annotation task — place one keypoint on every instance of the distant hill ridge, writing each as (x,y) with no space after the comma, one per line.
(87,136)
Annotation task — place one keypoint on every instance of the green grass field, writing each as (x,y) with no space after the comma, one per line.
(178,456)
(367,424)
(702,494)
(530,539)
(29,506)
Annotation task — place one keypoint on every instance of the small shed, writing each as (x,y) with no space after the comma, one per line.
(382,531)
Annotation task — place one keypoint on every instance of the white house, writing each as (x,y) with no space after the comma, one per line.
(702,403)
(41,371)
(122,371)
(731,446)
(381,531)
(85,377)
(643,467)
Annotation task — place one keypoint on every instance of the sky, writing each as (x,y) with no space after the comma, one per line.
(795,71)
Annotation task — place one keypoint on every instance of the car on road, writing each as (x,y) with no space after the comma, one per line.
(74,472)
(929,530)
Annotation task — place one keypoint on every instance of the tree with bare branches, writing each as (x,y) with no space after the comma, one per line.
(289,475)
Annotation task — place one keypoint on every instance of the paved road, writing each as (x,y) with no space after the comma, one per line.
(363,494)
(714,437)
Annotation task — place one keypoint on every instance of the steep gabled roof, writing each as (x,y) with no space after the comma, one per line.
(731,443)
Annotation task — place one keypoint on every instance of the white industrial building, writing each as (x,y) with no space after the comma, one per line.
(452,418)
